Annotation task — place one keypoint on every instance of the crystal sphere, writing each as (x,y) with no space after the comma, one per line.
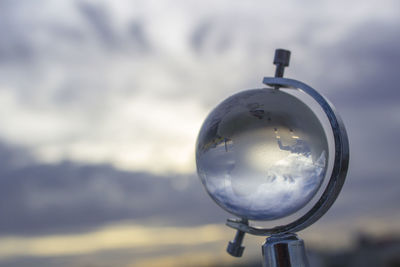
(262,154)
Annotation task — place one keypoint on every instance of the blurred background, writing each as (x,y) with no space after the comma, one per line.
(101,102)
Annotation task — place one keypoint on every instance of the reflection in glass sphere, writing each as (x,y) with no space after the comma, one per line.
(262,154)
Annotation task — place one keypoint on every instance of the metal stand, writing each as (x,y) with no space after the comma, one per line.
(284,250)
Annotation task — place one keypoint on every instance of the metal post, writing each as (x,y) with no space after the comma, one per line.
(235,247)
(281,60)
(285,250)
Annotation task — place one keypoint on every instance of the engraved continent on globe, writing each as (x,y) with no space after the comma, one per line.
(262,154)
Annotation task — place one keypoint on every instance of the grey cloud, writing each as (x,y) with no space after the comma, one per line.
(15,31)
(211,36)
(199,35)
(99,19)
(139,36)
(369,195)
(30,35)
(71,197)
(365,64)
(65,197)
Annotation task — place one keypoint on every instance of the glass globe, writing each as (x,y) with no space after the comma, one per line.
(262,154)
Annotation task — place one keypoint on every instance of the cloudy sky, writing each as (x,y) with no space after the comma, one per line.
(101,102)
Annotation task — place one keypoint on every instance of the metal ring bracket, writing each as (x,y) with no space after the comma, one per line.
(339,171)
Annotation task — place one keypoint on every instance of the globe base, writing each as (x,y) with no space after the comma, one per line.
(284,250)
